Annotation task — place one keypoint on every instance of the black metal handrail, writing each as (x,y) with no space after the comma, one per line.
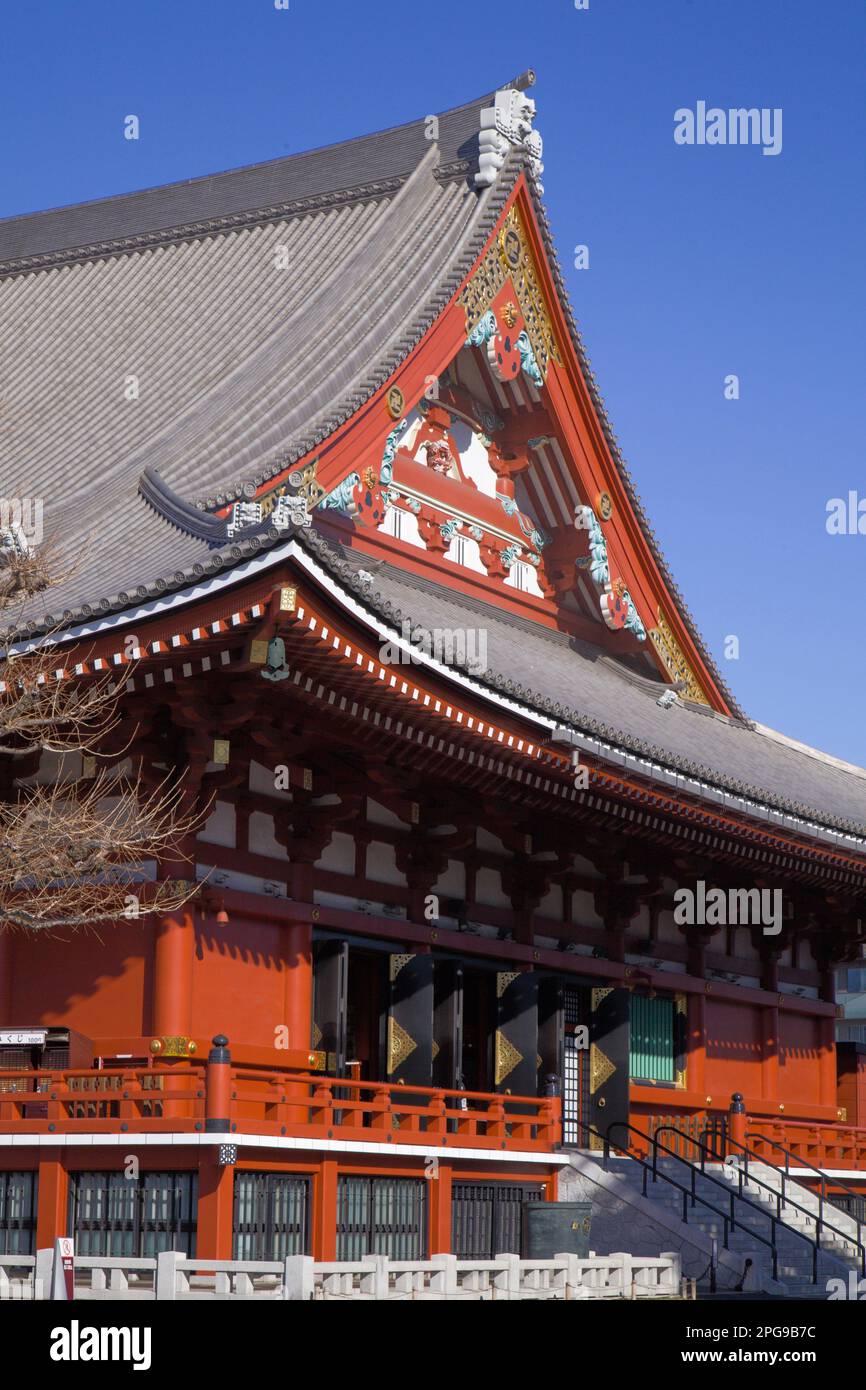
(709,1177)
(823,1199)
(820,1222)
(689,1194)
(777,1192)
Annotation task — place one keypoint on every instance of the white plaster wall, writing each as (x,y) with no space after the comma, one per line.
(583,909)
(339,855)
(465,551)
(669,934)
(743,950)
(585,867)
(488,889)
(523,577)
(220,826)
(262,780)
(382,865)
(261,834)
(473,459)
(452,882)
(551,904)
(380,815)
(485,840)
(402,523)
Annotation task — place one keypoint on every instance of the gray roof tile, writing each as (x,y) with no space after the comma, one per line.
(594,691)
(242,366)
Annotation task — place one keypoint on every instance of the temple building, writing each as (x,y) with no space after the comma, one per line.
(492,864)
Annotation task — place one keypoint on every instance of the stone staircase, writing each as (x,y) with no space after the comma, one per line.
(838,1255)
(839,1232)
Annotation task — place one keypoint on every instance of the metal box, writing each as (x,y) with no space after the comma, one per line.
(556,1228)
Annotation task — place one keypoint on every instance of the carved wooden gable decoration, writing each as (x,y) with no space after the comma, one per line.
(488,455)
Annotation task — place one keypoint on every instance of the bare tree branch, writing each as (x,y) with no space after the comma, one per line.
(74,852)
(27,570)
(39,711)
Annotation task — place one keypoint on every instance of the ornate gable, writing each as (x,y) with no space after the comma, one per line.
(490,465)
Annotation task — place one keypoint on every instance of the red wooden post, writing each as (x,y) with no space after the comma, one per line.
(218,1087)
(325,1211)
(437,1123)
(440,1208)
(737,1124)
(129,1107)
(496,1119)
(51,1213)
(381,1108)
(215,1208)
(549,1121)
(323,1110)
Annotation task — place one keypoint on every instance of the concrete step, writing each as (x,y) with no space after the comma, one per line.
(750,1218)
(746,1214)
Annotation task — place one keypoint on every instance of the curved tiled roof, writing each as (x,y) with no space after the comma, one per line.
(156,357)
(212,359)
(240,303)
(584,689)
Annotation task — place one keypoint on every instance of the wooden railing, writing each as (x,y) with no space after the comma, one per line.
(825,1145)
(171,1099)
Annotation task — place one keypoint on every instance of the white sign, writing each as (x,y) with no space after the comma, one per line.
(63,1272)
(29,1037)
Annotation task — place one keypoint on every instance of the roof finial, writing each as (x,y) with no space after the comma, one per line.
(508,123)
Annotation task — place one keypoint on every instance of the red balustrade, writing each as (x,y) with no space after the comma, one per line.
(175,1098)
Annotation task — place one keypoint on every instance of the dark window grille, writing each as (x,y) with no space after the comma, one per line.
(55,1057)
(382,1216)
(15,1058)
(113,1215)
(271,1216)
(17,1213)
(575,1088)
(853,1206)
(486,1218)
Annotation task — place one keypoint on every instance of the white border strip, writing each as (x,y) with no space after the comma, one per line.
(265,1141)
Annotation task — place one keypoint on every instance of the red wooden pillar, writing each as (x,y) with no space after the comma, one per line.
(325,1211)
(53,1198)
(696,1054)
(770,1053)
(296,940)
(827,1062)
(439,1188)
(174,948)
(297,951)
(215,1208)
(827,1079)
(174,953)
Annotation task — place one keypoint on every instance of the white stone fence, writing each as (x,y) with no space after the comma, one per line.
(172,1276)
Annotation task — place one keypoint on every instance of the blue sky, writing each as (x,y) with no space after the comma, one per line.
(704,261)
